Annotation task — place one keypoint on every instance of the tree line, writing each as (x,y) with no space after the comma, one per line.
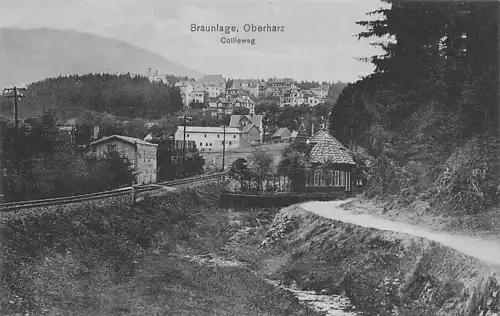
(122,95)
(434,89)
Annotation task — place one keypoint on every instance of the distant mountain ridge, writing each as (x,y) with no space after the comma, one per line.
(35,54)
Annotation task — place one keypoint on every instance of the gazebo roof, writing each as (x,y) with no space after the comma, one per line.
(322,135)
(329,149)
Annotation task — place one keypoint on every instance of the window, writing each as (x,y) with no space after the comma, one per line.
(336,178)
(234,136)
(342,178)
(218,136)
(201,144)
(317,177)
(206,144)
(210,144)
(187,135)
(329,180)
(205,135)
(229,142)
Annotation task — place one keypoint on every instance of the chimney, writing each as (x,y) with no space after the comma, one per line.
(312,129)
(96,132)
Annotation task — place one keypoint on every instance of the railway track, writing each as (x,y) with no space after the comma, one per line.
(12,206)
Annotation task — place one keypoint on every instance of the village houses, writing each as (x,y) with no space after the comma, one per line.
(191,91)
(250,85)
(240,121)
(140,153)
(215,85)
(226,105)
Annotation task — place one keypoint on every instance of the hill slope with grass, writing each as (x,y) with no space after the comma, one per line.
(110,258)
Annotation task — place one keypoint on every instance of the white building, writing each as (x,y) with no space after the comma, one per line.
(210,138)
(215,85)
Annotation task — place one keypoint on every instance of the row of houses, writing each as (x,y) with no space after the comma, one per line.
(294,96)
(242,92)
(209,86)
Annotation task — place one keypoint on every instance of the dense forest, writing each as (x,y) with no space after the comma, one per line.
(120,95)
(428,115)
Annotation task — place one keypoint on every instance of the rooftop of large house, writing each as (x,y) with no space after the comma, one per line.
(281,80)
(131,140)
(247,128)
(251,82)
(327,150)
(280,132)
(213,79)
(209,129)
(255,119)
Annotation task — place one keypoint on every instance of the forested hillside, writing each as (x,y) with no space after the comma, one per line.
(121,95)
(429,113)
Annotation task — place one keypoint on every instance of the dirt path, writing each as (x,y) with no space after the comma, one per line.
(485,250)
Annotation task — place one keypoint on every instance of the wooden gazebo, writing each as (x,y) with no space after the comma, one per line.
(330,165)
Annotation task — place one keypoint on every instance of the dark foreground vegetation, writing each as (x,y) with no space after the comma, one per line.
(428,116)
(39,162)
(110,258)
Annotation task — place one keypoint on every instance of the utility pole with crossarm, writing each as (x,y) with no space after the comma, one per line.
(14,92)
(17,96)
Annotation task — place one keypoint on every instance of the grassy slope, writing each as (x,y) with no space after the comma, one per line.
(149,280)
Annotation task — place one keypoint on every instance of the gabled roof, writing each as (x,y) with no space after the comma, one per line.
(255,119)
(223,100)
(280,132)
(248,127)
(252,82)
(302,134)
(328,150)
(322,135)
(213,79)
(127,139)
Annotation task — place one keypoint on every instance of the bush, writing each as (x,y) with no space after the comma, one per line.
(109,233)
(470,182)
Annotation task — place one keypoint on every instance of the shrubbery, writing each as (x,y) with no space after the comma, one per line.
(109,234)
(39,164)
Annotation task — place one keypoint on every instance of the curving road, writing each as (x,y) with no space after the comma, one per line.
(482,249)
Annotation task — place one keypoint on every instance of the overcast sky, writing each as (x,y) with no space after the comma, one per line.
(318,41)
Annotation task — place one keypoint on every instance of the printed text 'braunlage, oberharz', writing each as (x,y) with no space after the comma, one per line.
(238,34)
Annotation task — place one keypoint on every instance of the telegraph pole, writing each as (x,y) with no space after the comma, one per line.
(224,148)
(16,95)
(185,120)
(184,143)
